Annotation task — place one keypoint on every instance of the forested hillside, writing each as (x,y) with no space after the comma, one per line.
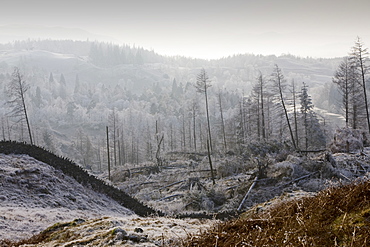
(180,136)
(77,88)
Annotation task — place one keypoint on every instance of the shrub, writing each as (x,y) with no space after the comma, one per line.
(262,149)
(208,200)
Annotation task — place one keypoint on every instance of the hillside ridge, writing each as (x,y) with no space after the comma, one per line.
(79,174)
(69,168)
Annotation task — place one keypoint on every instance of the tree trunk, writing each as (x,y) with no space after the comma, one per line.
(295,116)
(183,132)
(194,132)
(278,77)
(119,149)
(262,110)
(209,126)
(363,81)
(210,162)
(108,153)
(222,122)
(24,104)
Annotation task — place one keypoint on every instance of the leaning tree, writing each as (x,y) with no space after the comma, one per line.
(17,89)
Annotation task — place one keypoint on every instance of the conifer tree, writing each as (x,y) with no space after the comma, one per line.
(314,136)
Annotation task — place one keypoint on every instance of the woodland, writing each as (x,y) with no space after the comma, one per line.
(154,104)
(188,137)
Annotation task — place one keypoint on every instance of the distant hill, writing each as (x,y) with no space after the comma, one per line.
(76,85)
(10,33)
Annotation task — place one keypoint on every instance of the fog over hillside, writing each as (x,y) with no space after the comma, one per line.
(140,123)
(78,87)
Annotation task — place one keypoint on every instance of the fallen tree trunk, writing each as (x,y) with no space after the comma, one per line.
(168,197)
(246,195)
(297,179)
(171,184)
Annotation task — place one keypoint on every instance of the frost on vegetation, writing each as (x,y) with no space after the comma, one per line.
(208,200)
(348,140)
(230,167)
(34,195)
(183,185)
(263,149)
(117,231)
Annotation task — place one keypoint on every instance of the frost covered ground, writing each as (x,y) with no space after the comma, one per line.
(184,183)
(35,196)
(121,231)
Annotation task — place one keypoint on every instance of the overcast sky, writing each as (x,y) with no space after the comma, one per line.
(208,28)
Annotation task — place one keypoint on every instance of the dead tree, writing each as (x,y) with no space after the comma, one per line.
(222,120)
(360,57)
(278,79)
(17,89)
(203,83)
(157,154)
(210,163)
(108,152)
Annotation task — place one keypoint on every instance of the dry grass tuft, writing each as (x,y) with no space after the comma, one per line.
(338,216)
(39,238)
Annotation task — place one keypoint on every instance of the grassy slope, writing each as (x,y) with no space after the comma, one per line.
(338,216)
(71,169)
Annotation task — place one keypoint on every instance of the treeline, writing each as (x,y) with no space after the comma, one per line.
(79,48)
(102,54)
(168,114)
(165,119)
(108,54)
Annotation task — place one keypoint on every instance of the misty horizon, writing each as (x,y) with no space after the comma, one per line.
(12,33)
(205,30)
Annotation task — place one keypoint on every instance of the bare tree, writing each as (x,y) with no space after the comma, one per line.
(259,95)
(222,119)
(107,132)
(359,56)
(342,79)
(352,99)
(203,83)
(194,111)
(279,80)
(113,121)
(295,113)
(17,89)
